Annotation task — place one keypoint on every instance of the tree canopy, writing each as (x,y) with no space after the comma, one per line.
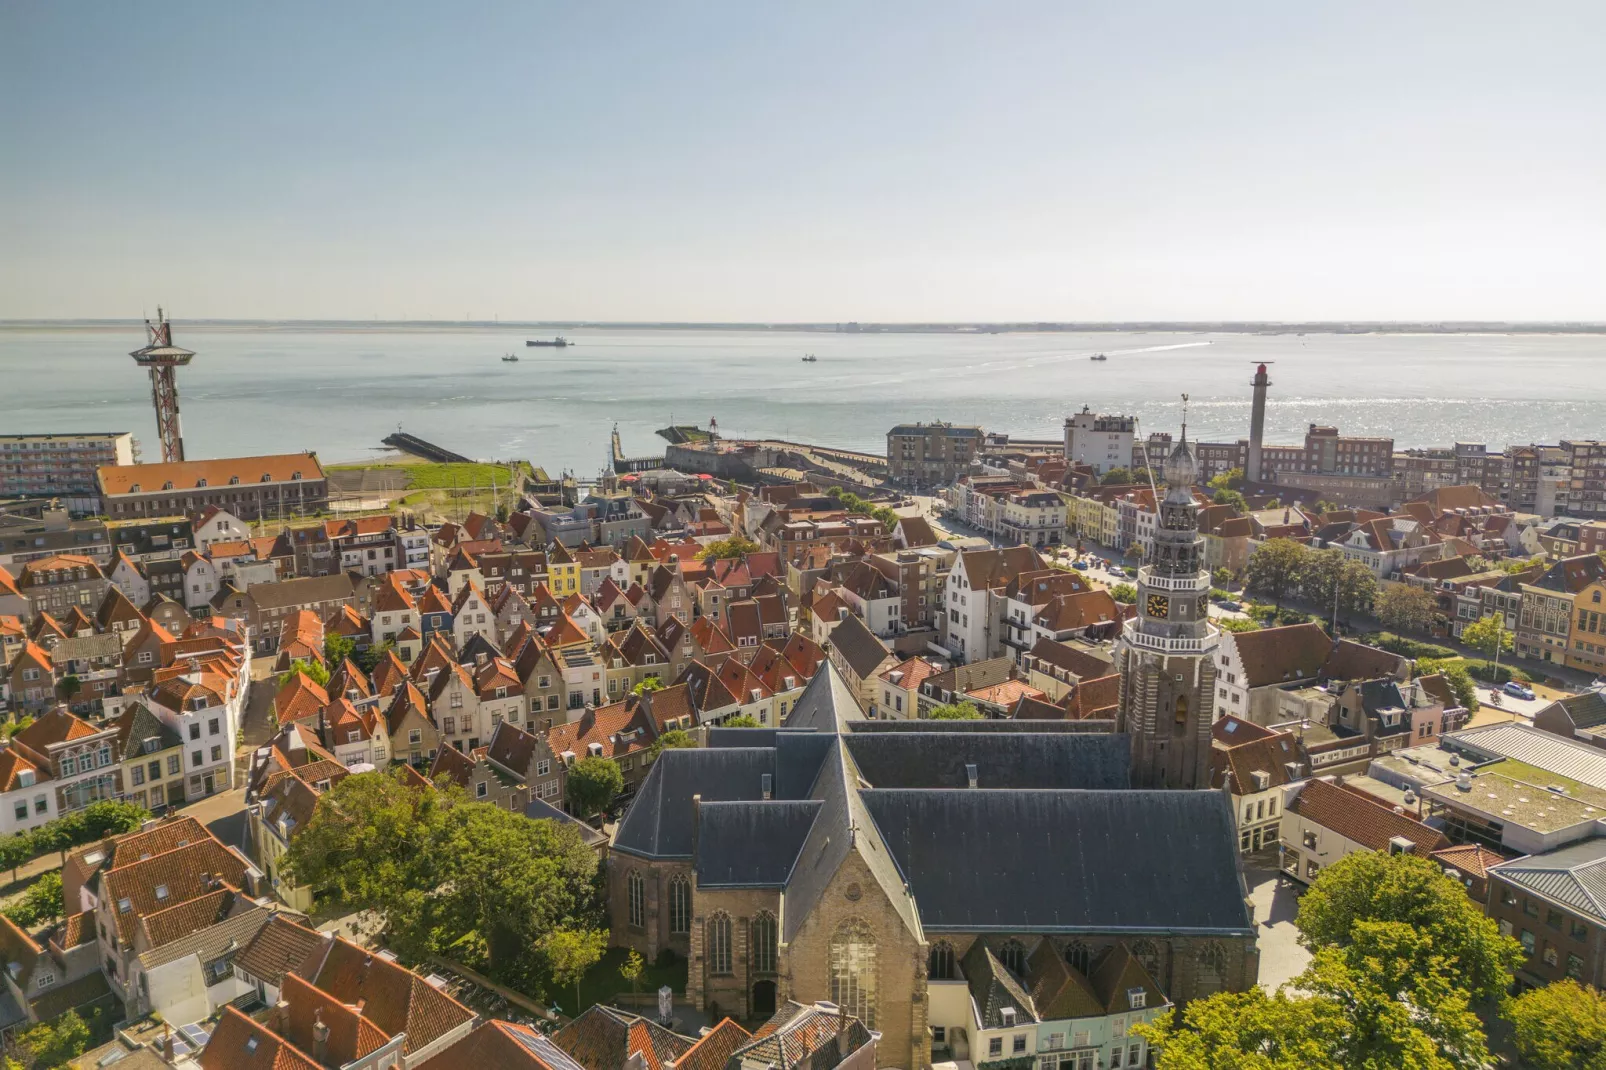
(743,720)
(337,648)
(649,683)
(48,1044)
(955,711)
(1326,575)
(1124,592)
(1370,886)
(1233,498)
(1488,636)
(734,546)
(1276,568)
(1561,1026)
(446,875)
(593,783)
(312,670)
(40,903)
(1231,479)
(1405,608)
(674,739)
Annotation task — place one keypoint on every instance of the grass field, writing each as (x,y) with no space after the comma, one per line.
(450,489)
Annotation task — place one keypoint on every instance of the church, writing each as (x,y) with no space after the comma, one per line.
(862,861)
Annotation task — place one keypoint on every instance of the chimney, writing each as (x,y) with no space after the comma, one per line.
(320,1037)
(696,822)
(281,1017)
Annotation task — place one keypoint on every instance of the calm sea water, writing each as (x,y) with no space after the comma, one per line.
(339,391)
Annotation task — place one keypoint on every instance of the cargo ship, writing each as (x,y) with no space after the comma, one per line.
(557,343)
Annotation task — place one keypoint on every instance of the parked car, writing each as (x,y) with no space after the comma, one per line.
(1081,565)
(1230,607)
(1517,690)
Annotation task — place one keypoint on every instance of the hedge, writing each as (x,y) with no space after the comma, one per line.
(1484,670)
(1411,648)
(93,822)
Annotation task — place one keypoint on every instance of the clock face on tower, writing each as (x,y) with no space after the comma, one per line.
(1159,605)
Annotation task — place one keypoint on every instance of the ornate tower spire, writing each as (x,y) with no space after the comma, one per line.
(1166,653)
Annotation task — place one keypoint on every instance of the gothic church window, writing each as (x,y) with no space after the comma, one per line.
(1013,956)
(1077,955)
(1212,969)
(764,930)
(679,904)
(853,971)
(719,943)
(941,967)
(636,889)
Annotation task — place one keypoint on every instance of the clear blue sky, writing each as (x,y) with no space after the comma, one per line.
(804,161)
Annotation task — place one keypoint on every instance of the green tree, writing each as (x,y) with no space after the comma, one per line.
(1370,886)
(1231,479)
(955,711)
(594,782)
(40,903)
(1401,997)
(1221,577)
(1384,1001)
(1327,575)
(1276,567)
(1405,608)
(1232,498)
(68,687)
(1488,636)
(742,720)
(735,546)
(312,670)
(11,728)
(1274,503)
(1323,507)
(446,875)
(337,648)
(1237,624)
(632,968)
(1561,1026)
(649,683)
(1124,592)
(49,1044)
(367,659)
(1248,1031)
(570,953)
(1117,476)
(674,739)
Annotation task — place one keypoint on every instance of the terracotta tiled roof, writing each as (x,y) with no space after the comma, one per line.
(1073,660)
(1358,818)
(1096,697)
(187,475)
(1350,660)
(604,726)
(238,1043)
(505,1046)
(279,947)
(1268,753)
(168,879)
(57,726)
(298,698)
(396,999)
(1471,859)
(603,1038)
(351,1033)
(1280,655)
(715,1047)
(1006,694)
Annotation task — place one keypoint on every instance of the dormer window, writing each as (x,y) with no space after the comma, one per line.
(234,481)
(295,475)
(201,482)
(134,489)
(167,485)
(124,905)
(161,892)
(266,478)
(1136,999)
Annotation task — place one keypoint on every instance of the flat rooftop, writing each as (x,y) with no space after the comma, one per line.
(1512,802)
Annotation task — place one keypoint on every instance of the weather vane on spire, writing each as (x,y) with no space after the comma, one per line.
(1184,417)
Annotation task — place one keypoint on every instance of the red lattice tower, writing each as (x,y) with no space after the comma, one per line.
(164,359)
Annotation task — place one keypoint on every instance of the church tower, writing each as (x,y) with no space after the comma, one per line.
(1166,655)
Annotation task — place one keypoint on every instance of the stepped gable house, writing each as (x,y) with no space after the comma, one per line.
(844,859)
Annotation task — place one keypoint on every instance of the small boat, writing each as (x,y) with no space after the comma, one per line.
(557,343)
(1098,356)
(810,358)
(510,359)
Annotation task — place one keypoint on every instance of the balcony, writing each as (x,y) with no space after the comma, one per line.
(1168,645)
(1147,576)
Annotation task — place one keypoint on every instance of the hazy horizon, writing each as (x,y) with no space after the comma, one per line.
(737,164)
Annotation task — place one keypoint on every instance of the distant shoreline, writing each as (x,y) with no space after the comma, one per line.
(1238,327)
